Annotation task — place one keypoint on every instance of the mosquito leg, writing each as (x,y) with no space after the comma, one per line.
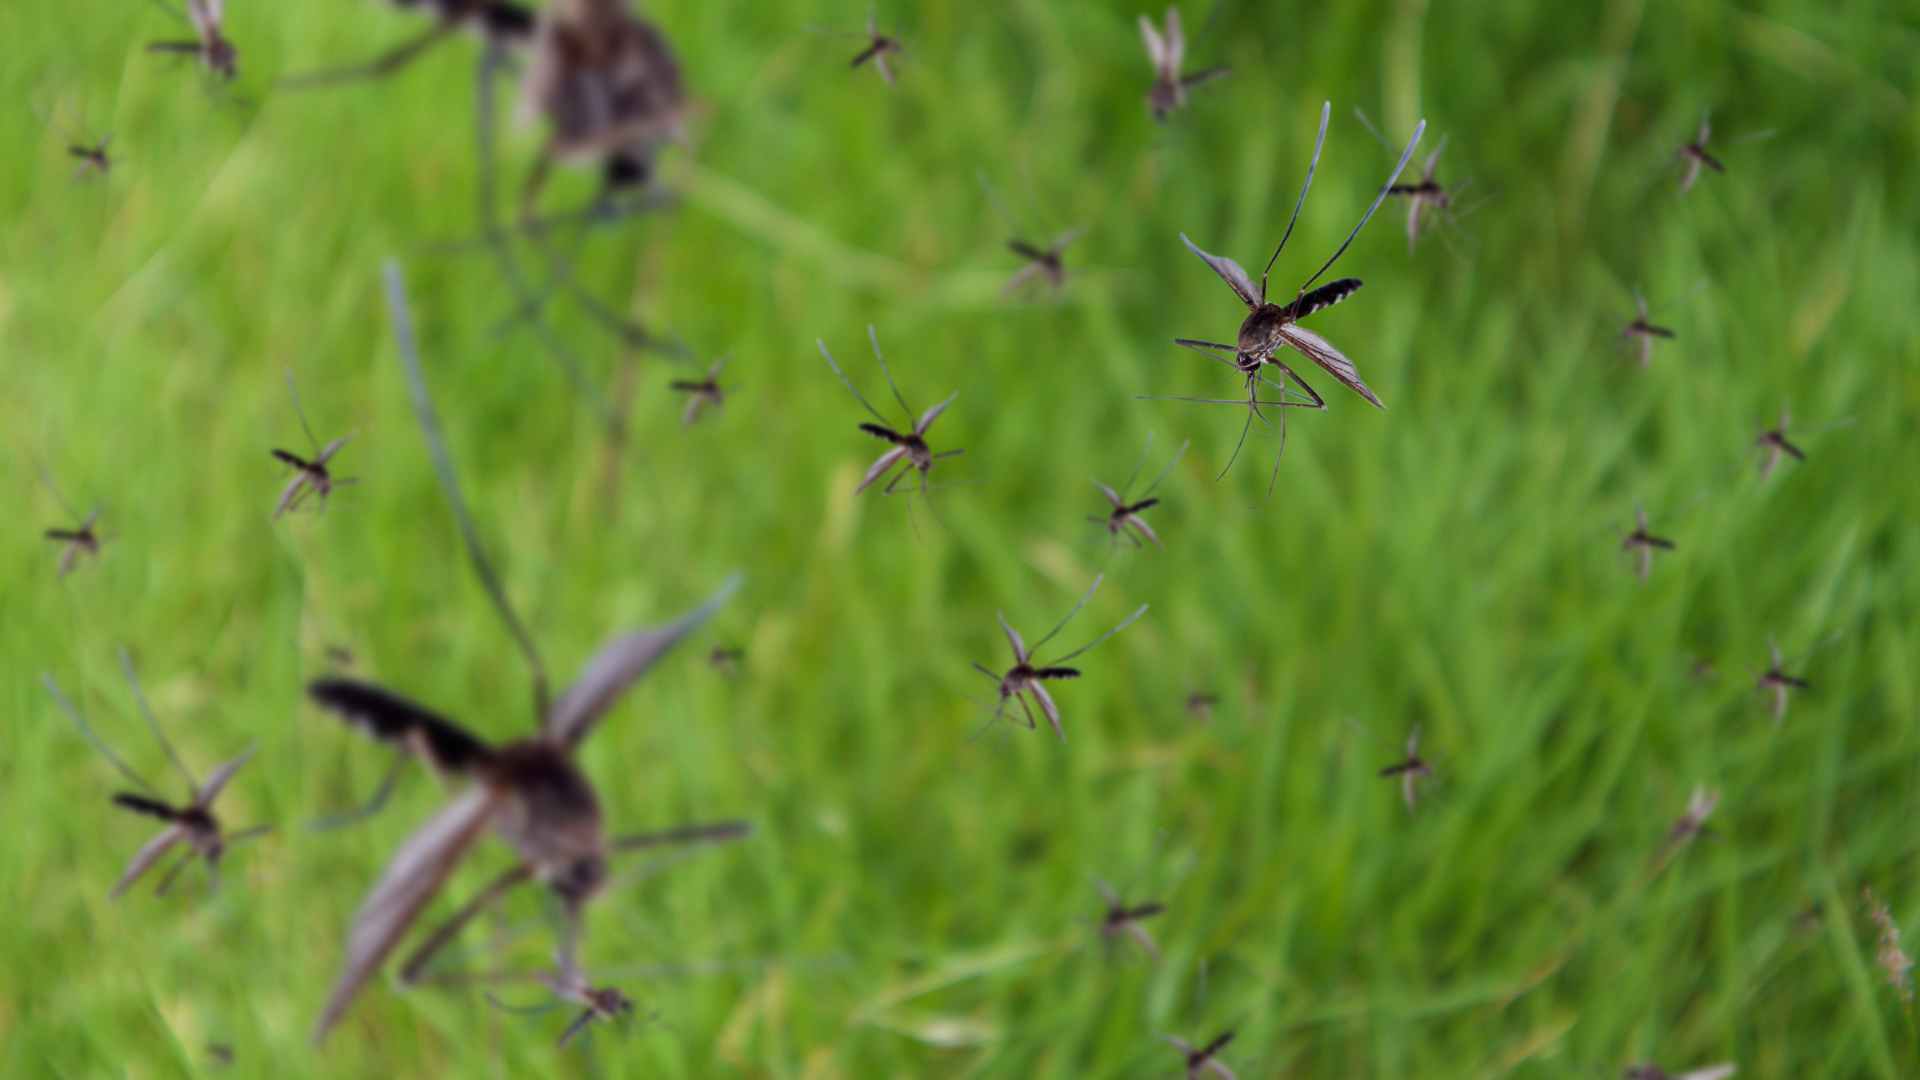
(410,971)
(1027,709)
(685,834)
(369,808)
(379,67)
(166,880)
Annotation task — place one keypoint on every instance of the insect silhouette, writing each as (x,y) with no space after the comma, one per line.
(82,540)
(1411,770)
(1773,442)
(909,446)
(1204,1059)
(1427,201)
(311,476)
(1694,155)
(93,157)
(702,393)
(1270,327)
(570,985)
(1776,683)
(726,660)
(210,43)
(1045,264)
(531,792)
(1124,518)
(191,823)
(1641,332)
(1200,705)
(1649,1071)
(1127,919)
(1167,52)
(1027,678)
(878,47)
(497,21)
(1642,544)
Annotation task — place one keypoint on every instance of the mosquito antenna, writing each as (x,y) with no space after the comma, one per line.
(1177,455)
(1062,624)
(1361,115)
(993,200)
(1138,464)
(449,483)
(86,732)
(140,699)
(888,372)
(1326,112)
(46,481)
(1273,477)
(1405,156)
(294,393)
(848,383)
(1123,624)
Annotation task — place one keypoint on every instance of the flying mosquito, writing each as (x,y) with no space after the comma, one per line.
(1270,327)
(499,21)
(1205,1059)
(909,446)
(1428,203)
(1200,705)
(311,476)
(1694,155)
(877,47)
(1643,544)
(80,541)
(1773,442)
(1027,678)
(1640,332)
(93,157)
(1689,827)
(1127,919)
(209,44)
(1411,770)
(726,659)
(192,823)
(1650,1071)
(1166,53)
(701,393)
(1776,683)
(531,791)
(570,985)
(1048,263)
(1124,518)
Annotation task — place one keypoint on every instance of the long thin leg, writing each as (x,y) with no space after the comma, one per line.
(166,880)
(86,732)
(424,953)
(369,808)
(140,699)
(380,66)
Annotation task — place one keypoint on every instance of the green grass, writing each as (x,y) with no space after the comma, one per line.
(915,899)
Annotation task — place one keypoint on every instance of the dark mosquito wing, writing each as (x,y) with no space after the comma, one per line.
(1324,297)
(191,47)
(1320,351)
(848,383)
(1320,141)
(140,804)
(393,719)
(219,779)
(1145,911)
(144,859)
(288,457)
(1399,167)
(1397,768)
(410,880)
(618,665)
(63,534)
(1230,272)
(1122,625)
(1218,1044)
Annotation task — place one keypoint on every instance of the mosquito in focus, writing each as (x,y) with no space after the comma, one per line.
(498,21)
(702,393)
(311,476)
(1649,1071)
(1776,683)
(1205,1059)
(1641,332)
(192,823)
(1167,52)
(80,541)
(1127,919)
(1270,327)
(1773,442)
(93,157)
(1642,544)
(1027,678)
(1124,518)
(210,44)
(1411,770)
(909,446)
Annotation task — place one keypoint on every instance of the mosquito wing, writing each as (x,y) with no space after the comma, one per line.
(206,15)
(332,448)
(618,665)
(145,858)
(1112,495)
(880,466)
(1145,940)
(927,418)
(221,775)
(290,494)
(1047,706)
(1013,638)
(1317,349)
(1230,272)
(1156,45)
(1176,41)
(390,718)
(1711,1072)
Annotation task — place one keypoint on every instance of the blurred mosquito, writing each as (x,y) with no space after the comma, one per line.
(1167,52)
(1027,678)
(82,540)
(531,792)
(1200,705)
(497,21)
(1270,327)
(1642,544)
(1776,683)
(877,48)
(569,984)
(1428,203)
(1048,263)
(1649,1071)
(1689,827)
(701,393)
(726,660)
(311,476)
(93,157)
(1694,155)
(209,44)
(1205,1059)
(1411,770)
(1124,518)
(909,446)
(1888,954)
(1127,919)
(1640,332)
(1773,442)
(192,823)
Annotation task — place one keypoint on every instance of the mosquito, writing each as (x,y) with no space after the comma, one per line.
(1126,919)
(1773,442)
(1200,705)
(701,393)
(570,984)
(192,823)
(726,659)
(498,21)
(1027,678)
(1048,263)
(1888,954)
(909,446)
(310,476)
(1166,52)
(209,44)
(93,157)
(1776,683)
(82,540)
(531,791)
(1643,544)
(1124,518)
(1271,327)
(878,47)
(1427,201)
(1649,1071)
(1411,770)
(1640,332)
(1205,1059)
(1693,155)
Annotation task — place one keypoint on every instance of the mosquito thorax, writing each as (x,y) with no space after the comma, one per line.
(1260,334)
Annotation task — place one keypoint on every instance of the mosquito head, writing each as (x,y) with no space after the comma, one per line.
(221,58)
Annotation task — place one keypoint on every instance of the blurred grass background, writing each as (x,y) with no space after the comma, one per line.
(918,898)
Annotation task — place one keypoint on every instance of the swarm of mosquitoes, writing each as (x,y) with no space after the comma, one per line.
(610,90)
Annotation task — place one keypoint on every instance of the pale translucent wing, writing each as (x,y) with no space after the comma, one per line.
(1219,1069)
(692,411)
(1711,1072)
(1013,637)
(1112,495)
(1691,174)
(211,790)
(411,878)
(1156,45)
(927,418)
(1143,939)
(1317,349)
(880,466)
(1020,278)
(1230,272)
(1144,529)
(144,859)
(619,664)
(290,492)
(1047,706)
(69,558)
(205,15)
(331,449)
(1413,222)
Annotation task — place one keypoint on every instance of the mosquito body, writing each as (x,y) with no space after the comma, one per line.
(1777,684)
(1204,1060)
(210,43)
(1641,332)
(1027,678)
(1270,327)
(726,660)
(1642,544)
(909,446)
(702,393)
(191,823)
(1127,919)
(1692,824)
(1411,770)
(94,158)
(1046,264)
(1649,1071)
(1694,155)
(76,543)
(1200,705)
(878,47)
(1167,52)
(1773,443)
(311,476)
(501,22)
(1124,518)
